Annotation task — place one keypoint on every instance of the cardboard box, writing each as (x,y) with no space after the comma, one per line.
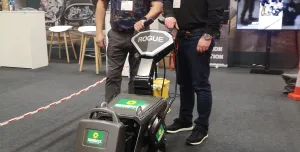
(167,60)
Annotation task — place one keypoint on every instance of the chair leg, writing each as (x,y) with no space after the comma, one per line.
(100,57)
(81,46)
(74,51)
(51,42)
(96,56)
(66,45)
(59,48)
(83,53)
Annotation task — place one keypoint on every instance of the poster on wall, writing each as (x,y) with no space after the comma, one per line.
(219,54)
(74,12)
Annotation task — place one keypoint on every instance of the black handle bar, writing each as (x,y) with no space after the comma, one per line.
(161,21)
(148,22)
(106,110)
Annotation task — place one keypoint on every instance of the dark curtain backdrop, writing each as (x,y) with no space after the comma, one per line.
(33,3)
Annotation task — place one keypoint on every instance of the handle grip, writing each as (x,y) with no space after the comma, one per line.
(106,110)
(148,22)
(161,21)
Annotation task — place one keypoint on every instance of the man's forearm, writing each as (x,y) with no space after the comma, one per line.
(215,16)
(100,14)
(168,8)
(155,10)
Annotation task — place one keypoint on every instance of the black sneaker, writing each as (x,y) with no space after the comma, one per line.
(196,137)
(179,126)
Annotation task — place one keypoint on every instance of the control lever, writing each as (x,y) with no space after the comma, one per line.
(162,21)
(148,22)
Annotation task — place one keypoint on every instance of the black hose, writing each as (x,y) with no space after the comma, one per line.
(176,71)
(162,86)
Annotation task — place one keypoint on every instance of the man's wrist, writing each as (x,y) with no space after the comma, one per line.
(144,18)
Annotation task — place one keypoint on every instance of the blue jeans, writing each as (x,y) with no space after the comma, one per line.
(193,78)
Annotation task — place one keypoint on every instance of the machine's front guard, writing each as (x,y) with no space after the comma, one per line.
(100,135)
(153,46)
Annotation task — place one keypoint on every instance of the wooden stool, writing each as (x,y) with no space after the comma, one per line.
(65,30)
(98,60)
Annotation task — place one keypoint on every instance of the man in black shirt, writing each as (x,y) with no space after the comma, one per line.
(197,22)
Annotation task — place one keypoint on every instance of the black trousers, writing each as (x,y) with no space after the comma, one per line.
(193,78)
(248,5)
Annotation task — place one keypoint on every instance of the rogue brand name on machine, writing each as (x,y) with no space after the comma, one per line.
(151,38)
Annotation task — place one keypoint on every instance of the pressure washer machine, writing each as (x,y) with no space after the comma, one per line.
(132,122)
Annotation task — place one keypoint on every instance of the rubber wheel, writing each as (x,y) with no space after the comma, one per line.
(163,147)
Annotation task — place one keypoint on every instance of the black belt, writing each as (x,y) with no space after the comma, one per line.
(191,30)
(123,30)
(188,32)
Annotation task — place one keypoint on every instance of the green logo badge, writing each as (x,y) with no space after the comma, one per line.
(129,104)
(160,133)
(95,137)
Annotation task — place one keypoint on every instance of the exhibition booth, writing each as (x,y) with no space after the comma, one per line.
(79,15)
(263,38)
(53,81)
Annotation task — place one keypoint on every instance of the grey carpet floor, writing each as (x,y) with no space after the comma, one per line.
(249,113)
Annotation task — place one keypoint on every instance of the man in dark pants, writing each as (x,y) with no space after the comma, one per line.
(198,21)
(248,6)
(127,17)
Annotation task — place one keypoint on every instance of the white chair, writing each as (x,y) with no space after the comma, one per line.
(89,32)
(65,30)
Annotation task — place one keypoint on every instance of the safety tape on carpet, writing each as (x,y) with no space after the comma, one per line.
(54,103)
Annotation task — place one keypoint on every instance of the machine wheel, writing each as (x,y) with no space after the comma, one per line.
(163,147)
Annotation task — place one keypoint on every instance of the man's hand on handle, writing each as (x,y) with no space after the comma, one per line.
(138,26)
(100,40)
(203,44)
(170,23)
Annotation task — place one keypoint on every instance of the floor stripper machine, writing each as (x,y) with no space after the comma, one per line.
(133,122)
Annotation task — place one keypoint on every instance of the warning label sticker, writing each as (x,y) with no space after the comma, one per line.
(129,104)
(95,137)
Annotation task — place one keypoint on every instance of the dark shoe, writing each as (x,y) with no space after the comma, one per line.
(179,126)
(196,138)
(246,22)
(252,19)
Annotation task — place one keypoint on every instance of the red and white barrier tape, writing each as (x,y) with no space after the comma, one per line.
(54,103)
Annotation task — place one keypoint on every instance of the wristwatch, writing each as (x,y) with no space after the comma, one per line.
(207,36)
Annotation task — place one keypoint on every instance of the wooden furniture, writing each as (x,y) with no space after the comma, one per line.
(23,40)
(64,30)
(89,32)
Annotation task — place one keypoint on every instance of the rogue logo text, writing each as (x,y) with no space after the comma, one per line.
(151,38)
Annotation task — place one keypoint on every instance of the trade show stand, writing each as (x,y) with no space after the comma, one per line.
(23,41)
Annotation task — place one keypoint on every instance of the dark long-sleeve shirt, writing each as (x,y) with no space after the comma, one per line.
(193,14)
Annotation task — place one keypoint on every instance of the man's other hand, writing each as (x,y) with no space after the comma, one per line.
(100,40)
(203,45)
(170,23)
(138,26)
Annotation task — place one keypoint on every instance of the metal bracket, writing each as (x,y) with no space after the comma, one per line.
(104,105)
(139,111)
